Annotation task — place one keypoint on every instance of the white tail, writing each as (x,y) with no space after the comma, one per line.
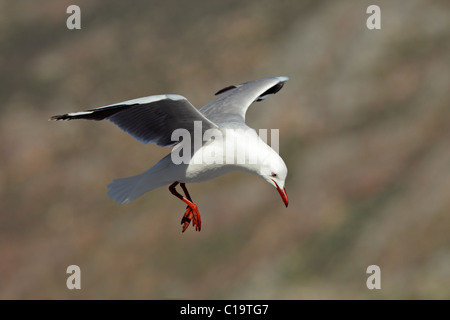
(125,190)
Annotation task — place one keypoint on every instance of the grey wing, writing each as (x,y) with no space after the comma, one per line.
(234,101)
(150,119)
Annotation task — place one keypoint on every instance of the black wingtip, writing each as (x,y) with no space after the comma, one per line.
(271,91)
(59,117)
(225,89)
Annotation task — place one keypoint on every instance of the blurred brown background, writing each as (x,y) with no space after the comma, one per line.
(364,130)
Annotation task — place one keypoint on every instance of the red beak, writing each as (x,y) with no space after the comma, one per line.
(283,194)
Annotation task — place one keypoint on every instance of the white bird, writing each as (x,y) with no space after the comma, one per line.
(155,119)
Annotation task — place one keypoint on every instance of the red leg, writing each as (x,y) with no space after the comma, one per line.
(197,221)
(191,209)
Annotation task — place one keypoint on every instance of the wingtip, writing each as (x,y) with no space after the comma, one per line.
(59,117)
(283,78)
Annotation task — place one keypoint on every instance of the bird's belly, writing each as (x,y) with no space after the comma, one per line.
(219,157)
(204,172)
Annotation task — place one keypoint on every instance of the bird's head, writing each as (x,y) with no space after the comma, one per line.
(274,171)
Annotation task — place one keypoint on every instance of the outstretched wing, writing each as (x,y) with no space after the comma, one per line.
(150,119)
(234,101)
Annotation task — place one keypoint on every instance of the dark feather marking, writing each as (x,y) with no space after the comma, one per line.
(224,90)
(97,114)
(271,90)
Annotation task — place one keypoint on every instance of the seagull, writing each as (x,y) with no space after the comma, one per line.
(155,119)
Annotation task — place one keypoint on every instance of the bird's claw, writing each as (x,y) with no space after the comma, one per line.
(193,215)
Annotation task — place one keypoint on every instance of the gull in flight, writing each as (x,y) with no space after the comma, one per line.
(155,119)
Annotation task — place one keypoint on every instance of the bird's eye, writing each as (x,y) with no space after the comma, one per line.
(273,174)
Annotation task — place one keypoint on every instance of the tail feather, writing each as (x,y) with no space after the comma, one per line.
(125,190)
(121,190)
